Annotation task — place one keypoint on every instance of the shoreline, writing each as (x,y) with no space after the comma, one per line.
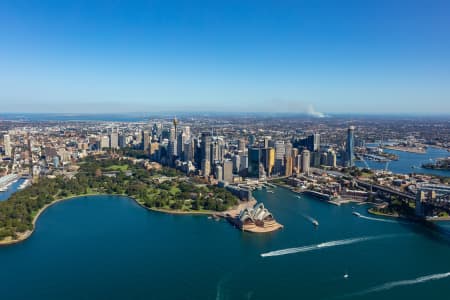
(25,235)
(407,149)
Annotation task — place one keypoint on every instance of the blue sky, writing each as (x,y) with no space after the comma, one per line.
(275,56)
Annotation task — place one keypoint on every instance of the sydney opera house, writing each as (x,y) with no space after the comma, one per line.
(256,219)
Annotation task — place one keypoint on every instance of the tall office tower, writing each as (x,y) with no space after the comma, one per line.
(315,159)
(266,142)
(288,166)
(324,158)
(218,172)
(254,158)
(349,146)
(206,167)
(7,144)
(228,171)
(268,159)
(122,140)
(145,140)
(156,129)
(205,146)
(313,142)
(297,164)
(280,151)
(180,143)
(244,163)
(294,153)
(217,149)
(251,140)
(114,139)
(236,163)
(241,145)
(332,158)
(306,161)
(171,149)
(104,142)
(188,153)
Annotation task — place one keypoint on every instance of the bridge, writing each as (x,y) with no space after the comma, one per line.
(386,190)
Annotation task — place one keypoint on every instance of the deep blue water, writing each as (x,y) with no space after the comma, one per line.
(11,189)
(108,247)
(410,162)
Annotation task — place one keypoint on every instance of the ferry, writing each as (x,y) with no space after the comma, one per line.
(356,214)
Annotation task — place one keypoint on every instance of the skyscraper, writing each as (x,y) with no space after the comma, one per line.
(145,140)
(228,171)
(306,161)
(7,144)
(349,146)
(205,146)
(254,158)
(114,139)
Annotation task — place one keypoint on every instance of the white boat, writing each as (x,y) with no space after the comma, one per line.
(356,214)
(345,275)
(315,223)
(299,197)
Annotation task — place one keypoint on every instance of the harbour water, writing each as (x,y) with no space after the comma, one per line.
(410,162)
(11,189)
(108,247)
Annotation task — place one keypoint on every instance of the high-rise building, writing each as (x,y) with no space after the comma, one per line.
(268,160)
(122,140)
(280,152)
(219,172)
(7,144)
(349,146)
(145,140)
(241,145)
(236,163)
(205,146)
(254,159)
(104,142)
(332,158)
(244,163)
(228,171)
(313,142)
(114,139)
(288,166)
(306,161)
(206,167)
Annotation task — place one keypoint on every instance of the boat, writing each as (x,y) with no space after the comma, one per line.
(345,275)
(299,197)
(315,223)
(356,214)
(270,191)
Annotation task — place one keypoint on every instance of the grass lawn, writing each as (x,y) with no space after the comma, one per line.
(118,168)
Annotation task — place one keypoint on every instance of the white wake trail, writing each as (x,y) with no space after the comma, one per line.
(325,245)
(377,219)
(394,284)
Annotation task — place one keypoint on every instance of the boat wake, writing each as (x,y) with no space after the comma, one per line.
(311,219)
(377,219)
(394,284)
(326,245)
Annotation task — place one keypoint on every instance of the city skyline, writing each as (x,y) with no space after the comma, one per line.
(312,58)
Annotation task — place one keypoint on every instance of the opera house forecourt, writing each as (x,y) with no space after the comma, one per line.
(256,219)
